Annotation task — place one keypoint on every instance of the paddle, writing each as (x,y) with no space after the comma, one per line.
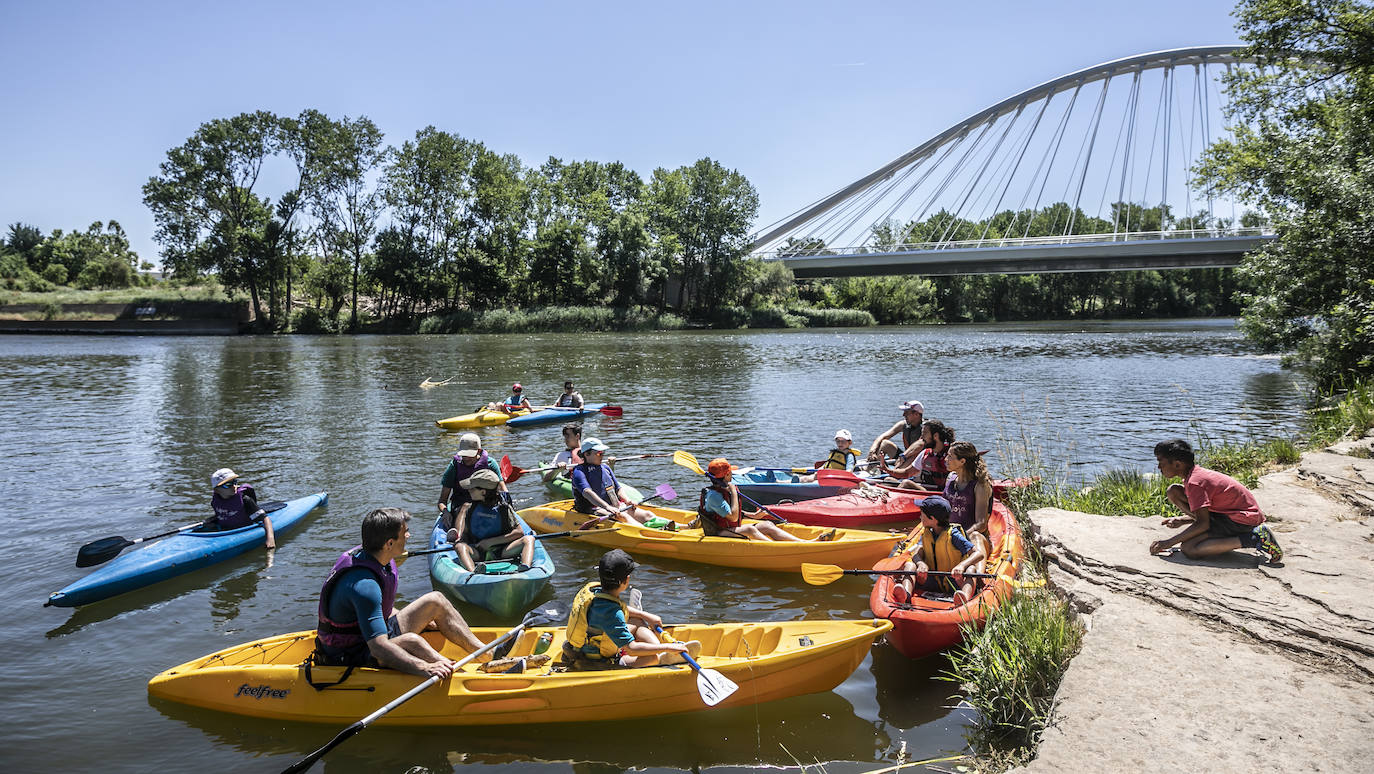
(516,471)
(103,550)
(449,547)
(713,686)
(661,492)
(823,574)
(686,460)
(553,612)
(610,411)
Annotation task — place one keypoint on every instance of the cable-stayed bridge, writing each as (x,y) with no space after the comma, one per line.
(1086,172)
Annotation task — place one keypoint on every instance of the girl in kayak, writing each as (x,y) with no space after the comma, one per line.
(516,401)
(944,548)
(236,506)
(722,515)
(969,491)
(486,527)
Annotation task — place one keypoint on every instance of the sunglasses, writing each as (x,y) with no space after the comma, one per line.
(226,485)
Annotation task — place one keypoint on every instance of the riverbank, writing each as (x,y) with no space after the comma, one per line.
(1224,664)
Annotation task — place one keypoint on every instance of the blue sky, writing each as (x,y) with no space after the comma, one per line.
(800,97)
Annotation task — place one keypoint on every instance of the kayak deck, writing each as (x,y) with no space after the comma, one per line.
(505,594)
(768,661)
(482,418)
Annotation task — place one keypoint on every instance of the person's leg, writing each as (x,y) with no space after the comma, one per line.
(774,532)
(1178,498)
(523,548)
(751,532)
(890,449)
(466,555)
(435,609)
(1207,545)
(642,634)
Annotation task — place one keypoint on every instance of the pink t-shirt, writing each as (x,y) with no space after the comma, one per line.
(1219,493)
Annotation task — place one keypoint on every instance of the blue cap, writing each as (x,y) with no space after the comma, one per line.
(935,507)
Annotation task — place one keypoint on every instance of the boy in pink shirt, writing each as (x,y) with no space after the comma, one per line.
(1221,514)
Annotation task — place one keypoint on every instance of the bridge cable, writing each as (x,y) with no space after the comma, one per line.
(1120,135)
(950,175)
(1059,139)
(986,208)
(1045,104)
(1087,158)
(982,171)
(1132,113)
(891,211)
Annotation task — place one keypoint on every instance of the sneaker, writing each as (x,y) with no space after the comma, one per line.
(1267,545)
(899,594)
(671,527)
(826,537)
(522,567)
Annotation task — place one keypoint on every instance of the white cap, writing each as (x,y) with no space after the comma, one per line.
(470,445)
(221,476)
(913,405)
(843,435)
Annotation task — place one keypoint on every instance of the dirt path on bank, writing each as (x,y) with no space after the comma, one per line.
(1224,664)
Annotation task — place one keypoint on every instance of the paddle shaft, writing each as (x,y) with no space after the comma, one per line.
(917,572)
(357,727)
(545,536)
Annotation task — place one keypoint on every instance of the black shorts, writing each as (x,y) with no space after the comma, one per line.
(1219,525)
(359,655)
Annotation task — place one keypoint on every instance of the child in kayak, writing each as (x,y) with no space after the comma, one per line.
(721,512)
(236,506)
(842,457)
(570,457)
(945,548)
(485,528)
(516,401)
(604,632)
(1220,513)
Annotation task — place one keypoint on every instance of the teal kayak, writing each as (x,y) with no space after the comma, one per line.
(179,554)
(562,487)
(506,591)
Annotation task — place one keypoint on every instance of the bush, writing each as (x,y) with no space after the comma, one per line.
(774,317)
(563,319)
(51,311)
(55,273)
(834,318)
(313,320)
(107,272)
(12,266)
(34,283)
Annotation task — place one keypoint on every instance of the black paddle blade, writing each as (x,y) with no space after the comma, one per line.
(549,613)
(101,551)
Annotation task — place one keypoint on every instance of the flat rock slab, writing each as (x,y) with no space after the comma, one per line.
(1226,663)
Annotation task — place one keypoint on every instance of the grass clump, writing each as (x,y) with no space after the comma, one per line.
(833,318)
(1009,672)
(560,319)
(1345,415)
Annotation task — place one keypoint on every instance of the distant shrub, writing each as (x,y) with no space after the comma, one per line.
(560,319)
(51,311)
(55,273)
(34,283)
(774,317)
(312,320)
(12,266)
(834,318)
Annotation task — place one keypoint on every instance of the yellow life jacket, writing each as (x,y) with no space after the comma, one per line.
(579,632)
(839,460)
(938,551)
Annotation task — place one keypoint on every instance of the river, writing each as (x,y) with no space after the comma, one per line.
(115,435)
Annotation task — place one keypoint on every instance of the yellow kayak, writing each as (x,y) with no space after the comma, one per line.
(768,661)
(849,548)
(481,418)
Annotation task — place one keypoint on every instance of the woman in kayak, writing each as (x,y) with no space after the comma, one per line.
(236,506)
(929,470)
(722,514)
(969,491)
(604,632)
(596,492)
(486,527)
(943,548)
(516,401)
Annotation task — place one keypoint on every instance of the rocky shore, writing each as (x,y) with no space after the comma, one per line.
(1224,664)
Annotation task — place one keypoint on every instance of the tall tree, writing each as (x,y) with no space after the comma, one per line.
(1303,151)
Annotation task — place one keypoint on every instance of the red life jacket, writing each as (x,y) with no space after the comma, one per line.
(736,517)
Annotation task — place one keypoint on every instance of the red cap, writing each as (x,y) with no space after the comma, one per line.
(516,386)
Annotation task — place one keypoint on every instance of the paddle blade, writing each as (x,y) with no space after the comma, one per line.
(547,614)
(666,492)
(713,686)
(506,467)
(686,460)
(612,411)
(101,551)
(821,574)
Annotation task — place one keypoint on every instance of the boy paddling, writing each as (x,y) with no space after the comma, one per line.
(1221,514)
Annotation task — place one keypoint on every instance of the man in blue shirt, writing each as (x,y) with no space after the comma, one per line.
(358,625)
(596,491)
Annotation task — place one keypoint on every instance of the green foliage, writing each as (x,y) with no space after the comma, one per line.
(1347,415)
(13,266)
(899,300)
(55,273)
(51,311)
(314,320)
(573,319)
(833,318)
(106,272)
(1303,140)
(1011,669)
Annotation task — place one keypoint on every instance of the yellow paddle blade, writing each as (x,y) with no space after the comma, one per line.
(821,574)
(686,460)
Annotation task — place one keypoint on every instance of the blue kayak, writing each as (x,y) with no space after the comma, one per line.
(178,555)
(770,487)
(505,591)
(548,416)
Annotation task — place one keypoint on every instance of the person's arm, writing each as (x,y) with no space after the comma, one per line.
(365,595)
(1201,520)
(910,452)
(878,442)
(259,515)
(577,400)
(596,499)
(972,552)
(650,620)
(982,507)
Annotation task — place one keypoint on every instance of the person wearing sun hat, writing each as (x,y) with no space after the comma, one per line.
(469,459)
(722,513)
(842,457)
(903,438)
(236,506)
(485,528)
(597,492)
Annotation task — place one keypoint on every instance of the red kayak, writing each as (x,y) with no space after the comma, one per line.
(864,507)
(927,624)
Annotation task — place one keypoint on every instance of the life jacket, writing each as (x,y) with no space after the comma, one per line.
(910,434)
(340,635)
(934,469)
(230,512)
(963,502)
(580,633)
(610,488)
(736,516)
(504,518)
(515,400)
(938,551)
(840,460)
(568,399)
(462,471)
